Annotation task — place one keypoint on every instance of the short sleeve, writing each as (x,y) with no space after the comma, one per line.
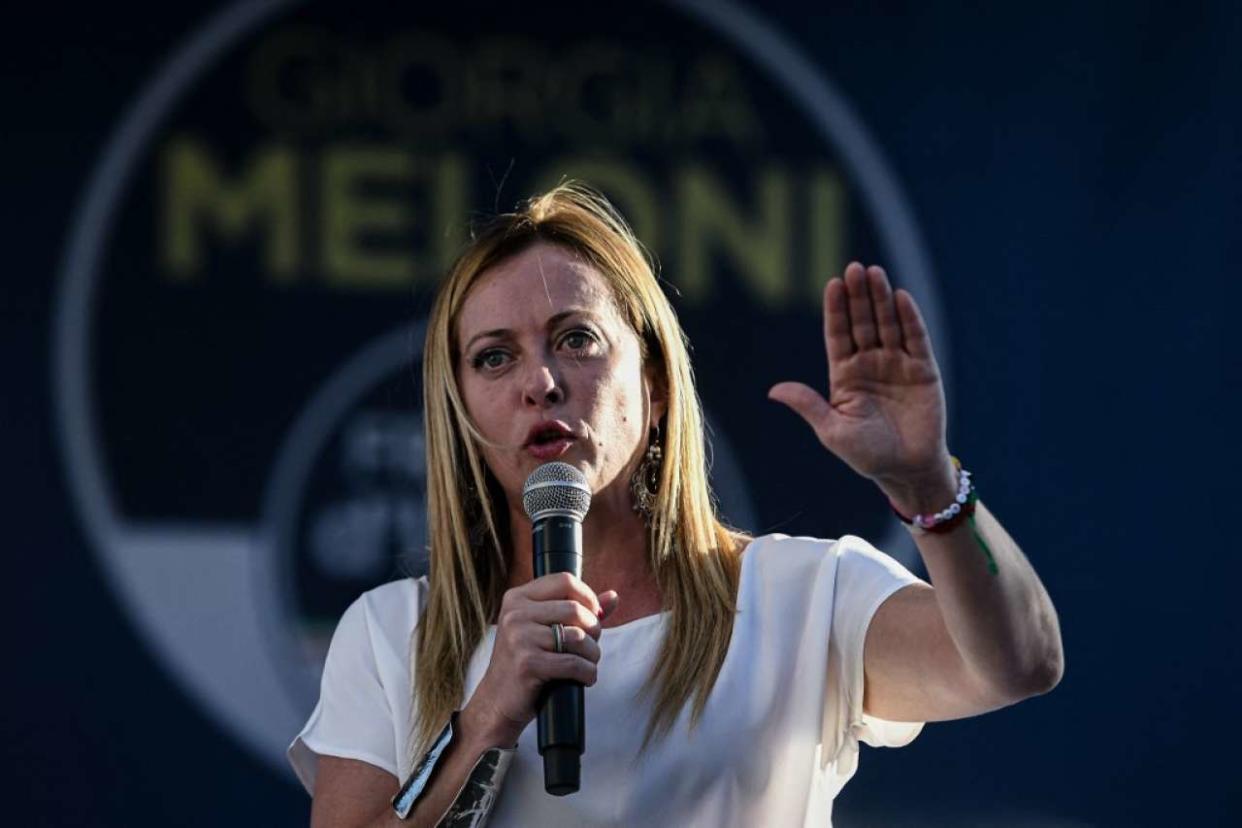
(865,578)
(353,719)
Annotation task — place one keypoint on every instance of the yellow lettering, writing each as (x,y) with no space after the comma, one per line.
(503,83)
(759,244)
(827,230)
(196,193)
(295,82)
(717,102)
(431,64)
(449,209)
(355,218)
(624,184)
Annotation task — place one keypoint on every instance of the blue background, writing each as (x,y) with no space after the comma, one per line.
(1074,171)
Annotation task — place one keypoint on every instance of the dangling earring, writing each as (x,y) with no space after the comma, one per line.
(645,483)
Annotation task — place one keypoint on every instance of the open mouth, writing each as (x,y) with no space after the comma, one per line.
(548,432)
(543,438)
(549,440)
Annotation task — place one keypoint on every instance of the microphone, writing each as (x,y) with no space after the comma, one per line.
(556,498)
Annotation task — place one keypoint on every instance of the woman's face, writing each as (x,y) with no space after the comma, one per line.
(550,371)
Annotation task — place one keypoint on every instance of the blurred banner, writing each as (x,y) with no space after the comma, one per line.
(235,330)
(283,205)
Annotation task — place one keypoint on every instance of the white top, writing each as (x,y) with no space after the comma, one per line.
(777,741)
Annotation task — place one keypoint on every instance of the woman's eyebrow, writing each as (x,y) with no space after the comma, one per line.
(565,314)
(553,321)
(499,333)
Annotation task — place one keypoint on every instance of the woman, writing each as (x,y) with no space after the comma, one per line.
(730,678)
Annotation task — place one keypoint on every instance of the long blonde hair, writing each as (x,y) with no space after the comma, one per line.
(695,558)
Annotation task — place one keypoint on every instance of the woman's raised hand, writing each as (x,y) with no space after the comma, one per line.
(524,656)
(885,411)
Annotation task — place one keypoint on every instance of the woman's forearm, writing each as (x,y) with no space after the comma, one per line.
(994,606)
(462,793)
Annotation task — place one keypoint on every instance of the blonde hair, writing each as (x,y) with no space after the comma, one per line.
(695,558)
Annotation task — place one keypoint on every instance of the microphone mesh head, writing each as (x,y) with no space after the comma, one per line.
(556,488)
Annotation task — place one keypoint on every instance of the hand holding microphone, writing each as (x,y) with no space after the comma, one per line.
(526,676)
(556,498)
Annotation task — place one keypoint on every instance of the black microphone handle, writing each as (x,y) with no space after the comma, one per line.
(562,711)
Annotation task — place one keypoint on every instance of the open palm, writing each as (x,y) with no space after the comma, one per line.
(885,411)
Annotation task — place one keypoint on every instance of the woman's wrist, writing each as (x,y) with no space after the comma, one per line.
(923,493)
(482,727)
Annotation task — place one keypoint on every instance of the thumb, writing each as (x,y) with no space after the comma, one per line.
(804,400)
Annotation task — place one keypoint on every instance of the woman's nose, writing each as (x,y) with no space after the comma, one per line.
(543,387)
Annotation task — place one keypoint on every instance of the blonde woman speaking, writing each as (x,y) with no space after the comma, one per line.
(729,678)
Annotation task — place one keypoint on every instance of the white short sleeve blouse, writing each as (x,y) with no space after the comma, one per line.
(777,741)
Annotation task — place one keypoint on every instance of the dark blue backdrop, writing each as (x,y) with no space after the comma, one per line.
(1075,174)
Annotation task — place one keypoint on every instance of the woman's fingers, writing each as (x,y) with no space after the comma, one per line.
(561,585)
(861,311)
(524,657)
(608,601)
(863,326)
(564,612)
(574,639)
(885,308)
(915,339)
(837,321)
(549,666)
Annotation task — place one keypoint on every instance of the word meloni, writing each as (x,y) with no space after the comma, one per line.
(369,217)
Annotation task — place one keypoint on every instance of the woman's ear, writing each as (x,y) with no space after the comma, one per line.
(657,390)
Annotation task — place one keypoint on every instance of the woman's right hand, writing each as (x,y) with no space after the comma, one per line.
(524,656)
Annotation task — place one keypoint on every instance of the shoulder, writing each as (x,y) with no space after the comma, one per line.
(386,614)
(791,553)
(783,574)
(778,555)
(395,598)
(818,569)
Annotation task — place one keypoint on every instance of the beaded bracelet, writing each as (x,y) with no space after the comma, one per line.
(947,519)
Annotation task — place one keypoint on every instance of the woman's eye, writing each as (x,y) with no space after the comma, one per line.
(577,340)
(490,359)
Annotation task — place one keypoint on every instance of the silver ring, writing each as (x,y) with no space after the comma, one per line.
(558,636)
